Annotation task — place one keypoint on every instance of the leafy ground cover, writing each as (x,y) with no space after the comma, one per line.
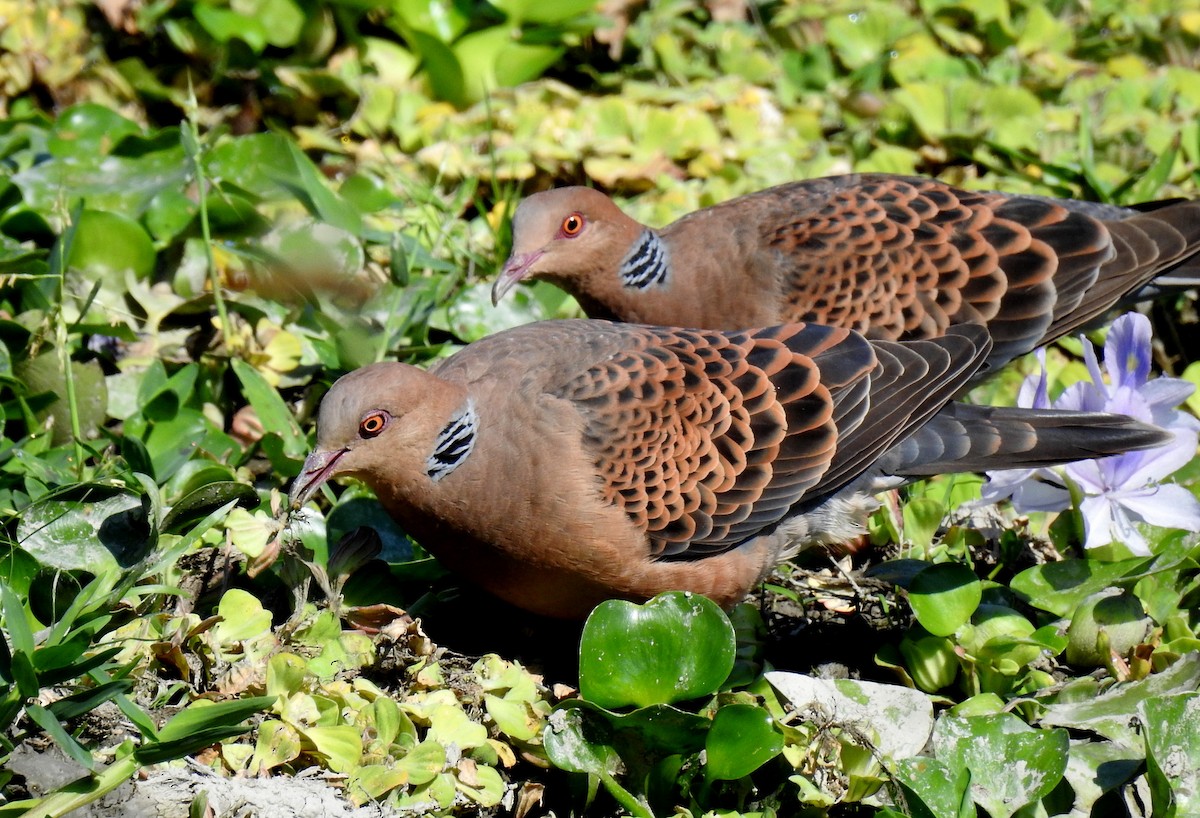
(209,211)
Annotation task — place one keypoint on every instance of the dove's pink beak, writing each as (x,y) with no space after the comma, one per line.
(514,271)
(318,467)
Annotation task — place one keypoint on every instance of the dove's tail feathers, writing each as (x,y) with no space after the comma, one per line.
(963,438)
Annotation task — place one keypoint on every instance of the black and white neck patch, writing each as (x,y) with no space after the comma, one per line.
(453,444)
(647,264)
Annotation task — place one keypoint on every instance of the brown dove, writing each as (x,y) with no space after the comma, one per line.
(893,257)
(562,463)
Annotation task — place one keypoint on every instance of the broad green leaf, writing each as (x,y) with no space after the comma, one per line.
(516,719)
(1104,624)
(1172,724)
(743,737)
(930,660)
(944,596)
(579,740)
(285,674)
(441,67)
(1098,767)
(173,441)
(372,781)
(922,518)
(1011,764)
(367,192)
(480,783)
(277,744)
(675,647)
(1059,587)
(942,790)
(88,129)
(242,617)
(105,530)
(45,374)
(1107,713)
(862,35)
(536,11)
(450,724)
(896,720)
(340,745)
(443,19)
(224,24)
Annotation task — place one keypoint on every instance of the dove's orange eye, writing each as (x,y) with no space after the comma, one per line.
(572,225)
(372,423)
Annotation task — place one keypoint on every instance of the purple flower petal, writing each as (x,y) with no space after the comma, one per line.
(1105,521)
(1033,394)
(1089,358)
(1127,350)
(1153,465)
(1166,392)
(1168,505)
(1082,397)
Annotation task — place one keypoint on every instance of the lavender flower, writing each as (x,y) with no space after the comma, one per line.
(1123,489)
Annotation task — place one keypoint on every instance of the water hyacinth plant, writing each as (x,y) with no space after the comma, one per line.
(1113,493)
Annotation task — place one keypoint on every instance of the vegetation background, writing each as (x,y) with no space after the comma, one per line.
(211,209)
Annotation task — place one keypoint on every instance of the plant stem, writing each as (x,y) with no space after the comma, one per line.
(61,337)
(191,144)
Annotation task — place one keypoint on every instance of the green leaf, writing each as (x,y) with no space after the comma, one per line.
(922,518)
(1156,176)
(200,724)
(306,181)
(941,790)
(441,67)
(1059,587)
(88,129)
(285,674)
(1172,724)
(944,596)
(1107,714)
(15,624)
(88,699)
(443,19)
(224,24)
(1011,764)
(46,720)
(677,646)
(108,247)
(339,744)
(450,725)
(291,445)
(242,617)
(105,532)
(579,739)
(743,738)
(491,59)
(45,374)
(536,11)
(1099,767)
(203,501)
(901,718)
(1103,624)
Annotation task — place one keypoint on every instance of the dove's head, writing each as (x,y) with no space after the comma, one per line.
(574,237)
(380,424)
